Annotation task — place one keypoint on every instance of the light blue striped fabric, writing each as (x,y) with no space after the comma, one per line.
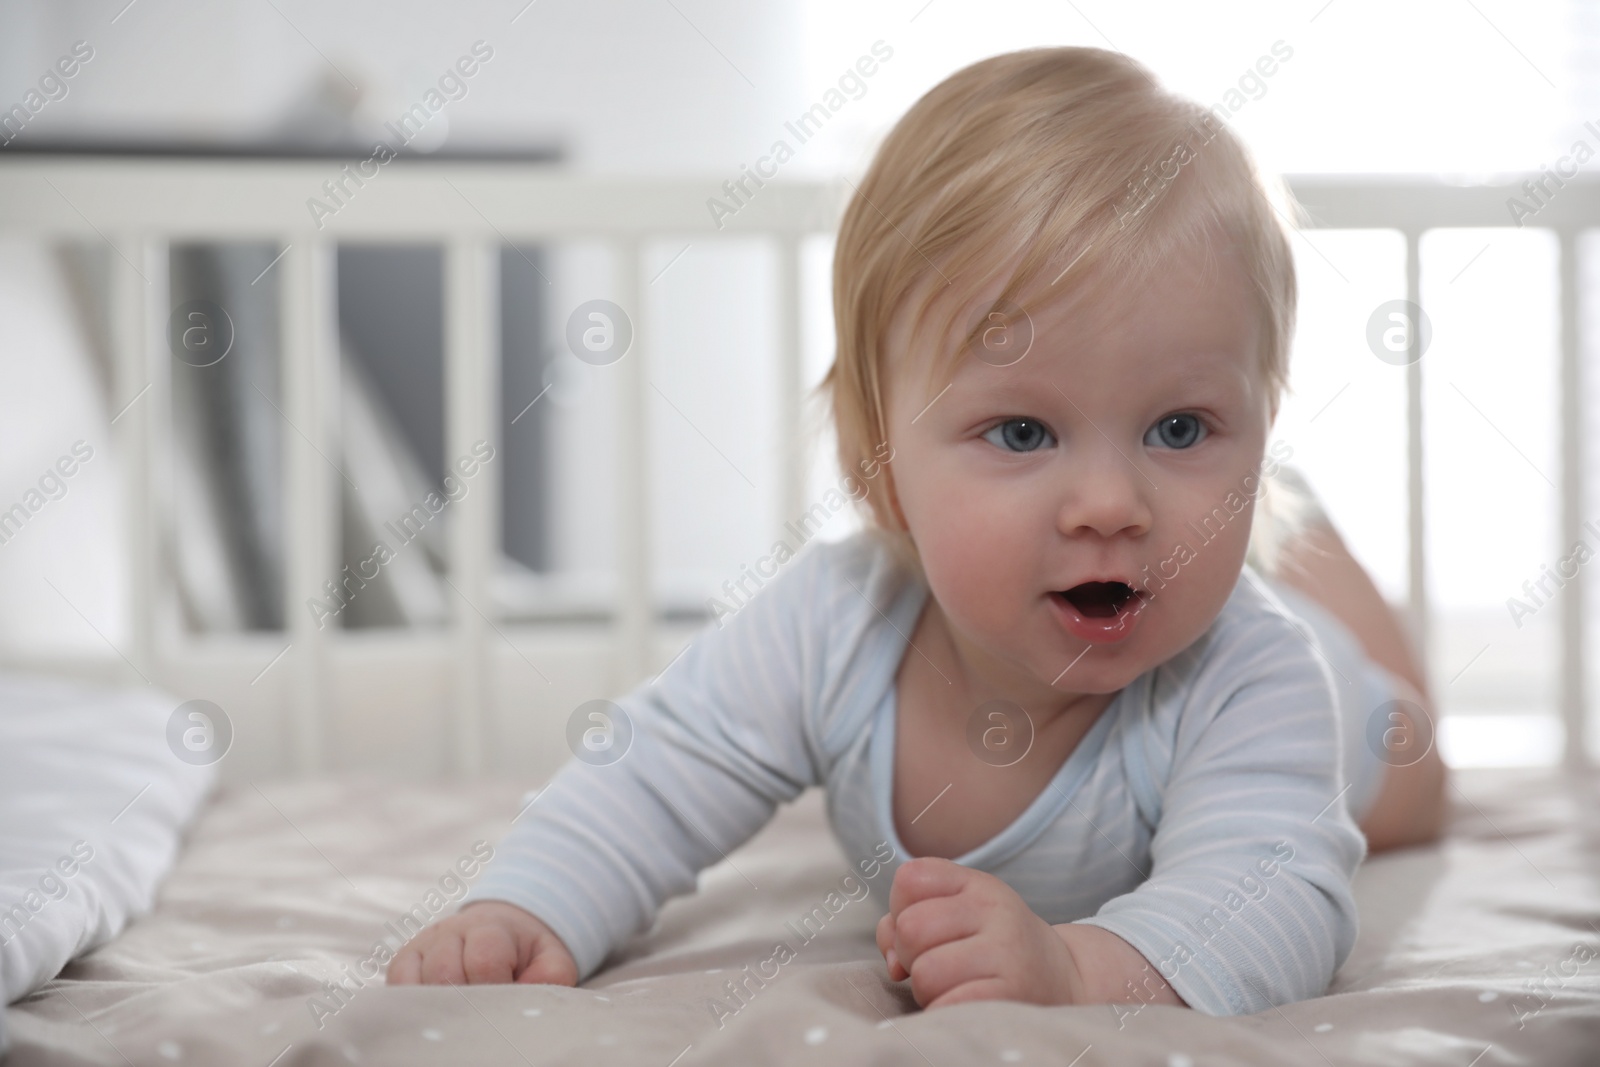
(1361,687)
(1203,818)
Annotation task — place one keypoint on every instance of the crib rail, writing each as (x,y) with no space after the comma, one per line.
(141,206)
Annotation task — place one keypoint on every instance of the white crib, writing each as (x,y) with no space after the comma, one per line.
(469,697)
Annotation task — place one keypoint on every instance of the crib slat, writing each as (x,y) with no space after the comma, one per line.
(1575,752)
(1416,528)
(791,496)
(311,484)
(471,282)
(139,408)
(635,619)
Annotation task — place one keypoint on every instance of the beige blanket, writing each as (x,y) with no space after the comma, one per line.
(1483,950)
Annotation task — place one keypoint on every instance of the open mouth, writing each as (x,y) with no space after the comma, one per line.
(1100,600)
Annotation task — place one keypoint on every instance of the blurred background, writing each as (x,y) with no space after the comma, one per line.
(689,94)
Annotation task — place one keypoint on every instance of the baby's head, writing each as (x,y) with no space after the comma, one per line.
(1064,300)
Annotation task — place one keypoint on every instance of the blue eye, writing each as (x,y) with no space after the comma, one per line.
(1019,435)
(1176,431)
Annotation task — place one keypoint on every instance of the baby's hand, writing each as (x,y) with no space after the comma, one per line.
(486,941)
(961,935)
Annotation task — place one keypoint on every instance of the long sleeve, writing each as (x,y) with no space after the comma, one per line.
(1249,901)
(718,742)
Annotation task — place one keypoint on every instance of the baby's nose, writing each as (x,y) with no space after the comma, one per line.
(1107,494)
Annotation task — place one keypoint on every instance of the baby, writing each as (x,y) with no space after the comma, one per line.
(1082,749)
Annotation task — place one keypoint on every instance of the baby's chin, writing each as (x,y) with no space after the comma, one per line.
(1091,669)
(1065,664)
(1102,677)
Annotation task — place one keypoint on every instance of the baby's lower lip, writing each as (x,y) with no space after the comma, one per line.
(1099,631)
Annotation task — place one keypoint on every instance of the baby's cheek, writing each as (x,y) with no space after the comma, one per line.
(979,562)
(976,599)
(1191,588)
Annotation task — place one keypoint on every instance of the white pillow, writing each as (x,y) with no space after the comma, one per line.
(93,800)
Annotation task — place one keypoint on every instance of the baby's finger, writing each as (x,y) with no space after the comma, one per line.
(885,933)
(406,967)
(977,989)
(925,877)
(441,961)
(928,924)
(551,965)
(955,963)
(489,955)
(897,971)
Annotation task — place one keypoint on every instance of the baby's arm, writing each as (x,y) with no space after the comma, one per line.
(1114,972)
(717,743)
(1249,902)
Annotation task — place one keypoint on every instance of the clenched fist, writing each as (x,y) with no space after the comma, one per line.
(961,935)
(487,941)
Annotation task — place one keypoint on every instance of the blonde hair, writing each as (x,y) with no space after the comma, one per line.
(1047,163)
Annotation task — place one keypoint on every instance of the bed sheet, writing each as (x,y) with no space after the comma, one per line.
(1480,950)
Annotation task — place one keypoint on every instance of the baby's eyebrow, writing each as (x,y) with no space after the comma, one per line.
(1206,377)
(1192,385)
